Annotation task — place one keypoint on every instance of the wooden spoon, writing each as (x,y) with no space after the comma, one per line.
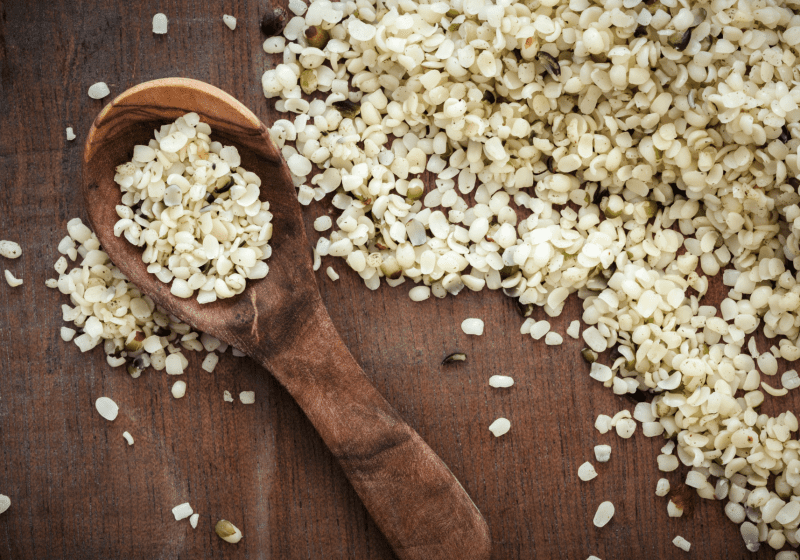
(281,322)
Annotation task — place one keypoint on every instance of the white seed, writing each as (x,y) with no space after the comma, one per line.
(210,362)
(70,134)
(553,339)
(500,381)
(332,273)
(160,24)
(182,511)
(662,487)
(605,512)
(419,293)
(193,520)
(625,428)
(128,437)
(98,90)
(174,364)
(472,326)
(601,372)
(5,503)
(226,396)
(107,408)
(179,389)
(322,223)
(229,21)
(682,543)
(500,427)
(574,329)
(667,463)
(673,510)
(539,329)
(247,397)
(12,281)
(586,472)
(10,249)
(602,453)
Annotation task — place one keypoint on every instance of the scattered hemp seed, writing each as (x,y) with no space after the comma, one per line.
(605,512)
(500,427)
(472,326)
(674,510)
(70,134)
(99,90)
(160,23)
(587,472)
(12,281)
(226,395)
(179,389)
(5,503)
(247,397)
(227,531)
(107,408)
(332,274)
(501,381)
(182,511)
(10,249)
(193,520)
(128,437)
(602,453)
(454,357)
(229,21)
(682,543)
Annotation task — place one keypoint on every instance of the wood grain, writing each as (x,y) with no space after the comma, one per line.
(78,491)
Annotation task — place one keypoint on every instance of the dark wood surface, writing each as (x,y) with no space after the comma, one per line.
(79,491)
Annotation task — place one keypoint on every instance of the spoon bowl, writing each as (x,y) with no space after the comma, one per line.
(281,322)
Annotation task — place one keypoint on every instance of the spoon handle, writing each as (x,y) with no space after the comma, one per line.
(411,494)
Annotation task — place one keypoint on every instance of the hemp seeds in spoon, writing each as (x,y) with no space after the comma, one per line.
(195,210)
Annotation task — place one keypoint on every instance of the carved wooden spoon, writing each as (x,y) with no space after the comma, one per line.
(281,322)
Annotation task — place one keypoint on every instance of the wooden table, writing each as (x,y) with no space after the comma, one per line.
(79,491)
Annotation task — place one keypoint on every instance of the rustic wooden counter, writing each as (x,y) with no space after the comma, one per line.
(79,491)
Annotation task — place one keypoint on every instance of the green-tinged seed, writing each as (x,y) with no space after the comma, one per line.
(679,41)
(509,271)
(135,367)
(347,108)
(524,309)
(308,81)
(650,208)
(415,192)
(451,13)
(454,357)
(453,27)
(390,268)
(610,214)
(134,341)
(317,37)
(589,355)
(227,531)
